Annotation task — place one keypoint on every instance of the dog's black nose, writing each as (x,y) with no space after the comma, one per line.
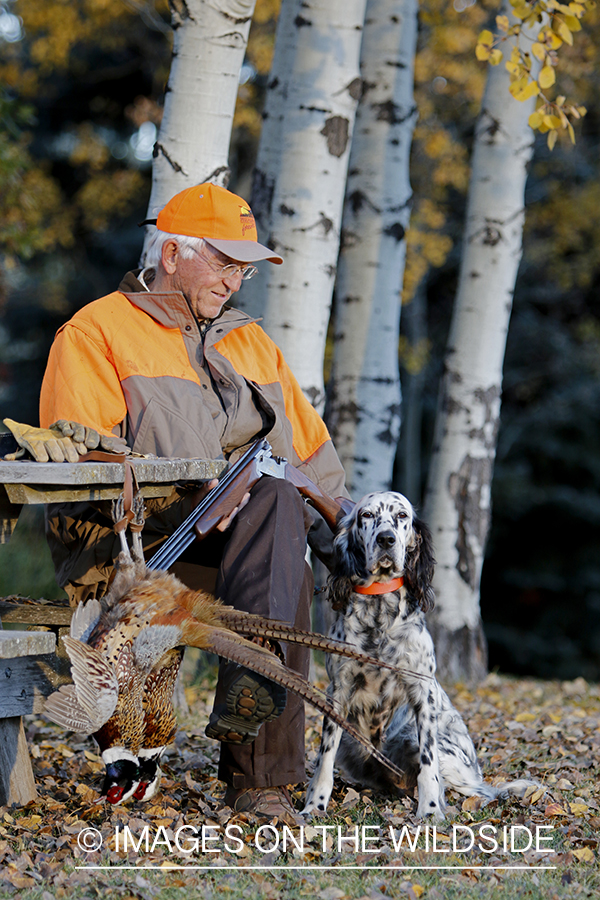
(386,539)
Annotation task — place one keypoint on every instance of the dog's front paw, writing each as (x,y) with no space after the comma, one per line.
(430,809)
(316,802)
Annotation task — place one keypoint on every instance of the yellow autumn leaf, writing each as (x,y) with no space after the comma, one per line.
(482,52)
(552,136)
(577,9)
(578,809)
(552,121)
(472,804)
(547,77)
(572,23)
(485,37)
(525,717)
(534,792)
(550,38)
(92,757)
(571,131)
(539,51)
(517,86)
(502,23)
(418,890)
(30,821)
(521,12)
(65,751)
(535,119)
(495,57)
(584,854)
(561,29)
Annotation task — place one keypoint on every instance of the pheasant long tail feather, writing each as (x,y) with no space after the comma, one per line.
(251,624)
(264,662)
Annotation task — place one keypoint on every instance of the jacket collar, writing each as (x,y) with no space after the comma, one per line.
(171,309)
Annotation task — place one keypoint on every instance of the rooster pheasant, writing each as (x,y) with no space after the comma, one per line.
(125,652)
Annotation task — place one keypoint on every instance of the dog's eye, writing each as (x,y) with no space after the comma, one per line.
(366,514)
(402,515)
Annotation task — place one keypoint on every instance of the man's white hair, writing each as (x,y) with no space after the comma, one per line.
(187,246)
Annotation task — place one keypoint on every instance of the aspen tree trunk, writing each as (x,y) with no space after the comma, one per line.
(365,397)
(457,505)
(210,38)
(300,177)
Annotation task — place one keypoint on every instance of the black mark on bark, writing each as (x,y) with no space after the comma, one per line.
(335,131)
(158,148)
(396,230)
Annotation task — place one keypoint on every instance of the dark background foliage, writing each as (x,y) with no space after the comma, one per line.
(80,161)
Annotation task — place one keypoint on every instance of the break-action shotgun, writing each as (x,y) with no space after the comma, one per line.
(257,461)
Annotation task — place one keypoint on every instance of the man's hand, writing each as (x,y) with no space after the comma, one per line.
(44,444)
(86,439)
(227,520)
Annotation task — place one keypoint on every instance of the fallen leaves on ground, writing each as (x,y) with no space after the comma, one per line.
(545,731)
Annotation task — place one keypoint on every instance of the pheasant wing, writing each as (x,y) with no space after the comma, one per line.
(84,619)
(64,708)
(95,681)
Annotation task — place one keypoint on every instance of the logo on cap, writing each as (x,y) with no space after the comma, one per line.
(246,219)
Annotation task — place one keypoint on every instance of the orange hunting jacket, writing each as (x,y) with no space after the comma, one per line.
(131,364)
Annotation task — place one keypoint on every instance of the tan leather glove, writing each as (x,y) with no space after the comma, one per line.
(83,438)
(44,444)
(86,439)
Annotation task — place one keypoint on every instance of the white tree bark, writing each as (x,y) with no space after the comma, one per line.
(310,112)
(365,397)
(457,505)
(210,38)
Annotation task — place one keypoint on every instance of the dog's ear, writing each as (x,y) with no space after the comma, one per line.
(349,552)
(339,589)
(419,566)
(349,562)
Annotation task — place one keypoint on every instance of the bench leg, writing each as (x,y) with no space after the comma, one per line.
(16,775)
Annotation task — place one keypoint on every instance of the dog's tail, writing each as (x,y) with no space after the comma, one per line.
(504,789)
(518,788)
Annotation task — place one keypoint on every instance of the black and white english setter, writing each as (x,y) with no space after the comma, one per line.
(381,589)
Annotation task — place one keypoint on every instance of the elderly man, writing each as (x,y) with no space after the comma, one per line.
(165,366)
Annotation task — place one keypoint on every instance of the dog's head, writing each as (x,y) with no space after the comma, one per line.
(383,539)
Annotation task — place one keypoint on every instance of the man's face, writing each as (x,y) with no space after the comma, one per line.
(201,283)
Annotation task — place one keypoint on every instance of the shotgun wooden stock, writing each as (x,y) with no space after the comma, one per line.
(331,510)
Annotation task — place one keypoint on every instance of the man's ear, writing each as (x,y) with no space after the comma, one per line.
(170,256)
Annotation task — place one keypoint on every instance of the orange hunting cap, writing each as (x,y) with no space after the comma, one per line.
(223,219)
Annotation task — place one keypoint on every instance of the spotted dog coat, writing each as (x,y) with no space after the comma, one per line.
(407,713)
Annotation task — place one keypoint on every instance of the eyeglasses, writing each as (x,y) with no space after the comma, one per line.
(230,270)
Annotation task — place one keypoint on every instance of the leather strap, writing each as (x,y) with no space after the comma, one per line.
(102,456)
(130,489)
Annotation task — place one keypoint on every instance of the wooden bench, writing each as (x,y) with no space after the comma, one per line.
(26,678)
(30,668)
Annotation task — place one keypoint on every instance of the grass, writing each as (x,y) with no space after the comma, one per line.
(25,564)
